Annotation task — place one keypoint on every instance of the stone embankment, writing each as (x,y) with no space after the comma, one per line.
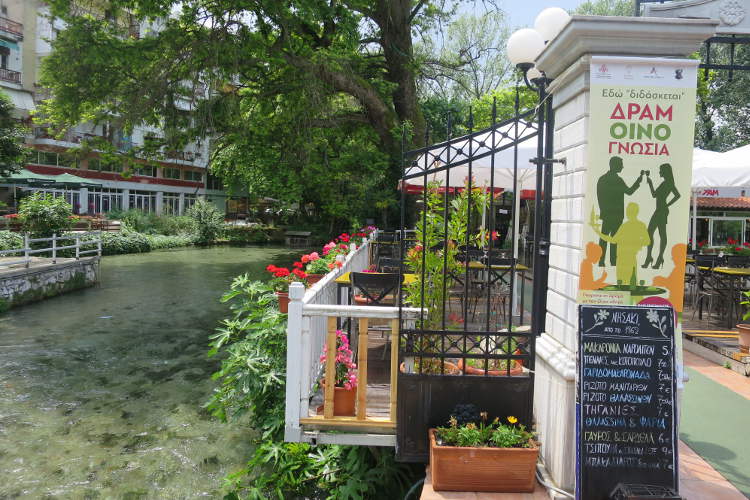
(43,278)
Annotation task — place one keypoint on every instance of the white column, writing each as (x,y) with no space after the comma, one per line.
(83,200)
(566,60)
(181,204)
(159,202)
(125,203)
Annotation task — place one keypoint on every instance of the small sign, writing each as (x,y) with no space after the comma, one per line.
(626,428)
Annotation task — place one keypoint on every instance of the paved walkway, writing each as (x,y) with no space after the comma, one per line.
(716,414)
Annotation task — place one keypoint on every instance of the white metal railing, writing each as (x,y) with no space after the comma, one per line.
(82,244)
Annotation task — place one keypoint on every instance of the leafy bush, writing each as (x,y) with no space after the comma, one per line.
(150,223)
(209,221)
(124,242)
(44,215)
(10,240)
(252,379)
(162,241)
(173,225)
(248,234)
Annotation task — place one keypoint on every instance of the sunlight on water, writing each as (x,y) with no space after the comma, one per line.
(101,390)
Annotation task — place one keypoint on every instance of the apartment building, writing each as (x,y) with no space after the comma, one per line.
(168,185)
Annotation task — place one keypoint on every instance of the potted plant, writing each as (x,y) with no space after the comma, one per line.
(476,456)
(315,267)
(744,328)
(345,386)
(282,277)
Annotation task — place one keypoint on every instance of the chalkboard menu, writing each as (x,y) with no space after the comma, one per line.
(625,420)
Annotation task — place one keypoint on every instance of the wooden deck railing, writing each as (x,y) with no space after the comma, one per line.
(314,317)
(83,247)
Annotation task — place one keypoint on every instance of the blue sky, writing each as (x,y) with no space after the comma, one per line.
(521,13)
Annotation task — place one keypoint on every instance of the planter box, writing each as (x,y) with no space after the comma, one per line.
(504,470)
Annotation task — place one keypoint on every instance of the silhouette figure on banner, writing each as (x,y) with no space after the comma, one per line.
(675,282)
(610,193)
(630,239)
(586,273)
(661,213)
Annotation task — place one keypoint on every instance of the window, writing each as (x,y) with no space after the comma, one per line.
(192,175)
(67,160)
(146,171)
(190,200)
(214,182)
(143,200)
(104,200)
(171,204)
(4,56)
(105,165)
(47,158)
(725,228)
(171,173)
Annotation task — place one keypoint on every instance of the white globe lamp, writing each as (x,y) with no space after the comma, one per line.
(550,22)
(524,46)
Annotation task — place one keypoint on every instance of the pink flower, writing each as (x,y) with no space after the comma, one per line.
(305,259)
(314,256)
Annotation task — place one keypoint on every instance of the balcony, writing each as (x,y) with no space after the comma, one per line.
(12,28)
(69,139)
(188,156)
(8,75)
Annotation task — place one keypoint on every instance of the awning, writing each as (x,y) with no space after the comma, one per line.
(30,178)
(21,99)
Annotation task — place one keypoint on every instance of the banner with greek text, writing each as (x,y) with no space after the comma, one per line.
(640,155)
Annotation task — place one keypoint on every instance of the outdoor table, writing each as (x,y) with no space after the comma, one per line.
(731,276)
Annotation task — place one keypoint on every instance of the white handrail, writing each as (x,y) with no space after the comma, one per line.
(79,243)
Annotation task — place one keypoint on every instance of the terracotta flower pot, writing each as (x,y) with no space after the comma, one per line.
(504,470)
(515,369)
(343,401)
(744,330)
(283,301)
(314,278)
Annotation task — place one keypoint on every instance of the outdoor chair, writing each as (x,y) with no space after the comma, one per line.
(376,289)
(389,265)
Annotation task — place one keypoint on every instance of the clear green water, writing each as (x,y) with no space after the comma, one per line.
(101,389)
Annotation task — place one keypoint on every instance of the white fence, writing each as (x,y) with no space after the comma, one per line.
(82,244)
(310,312)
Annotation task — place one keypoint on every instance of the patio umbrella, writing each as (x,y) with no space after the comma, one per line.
(73,181)
(28,177)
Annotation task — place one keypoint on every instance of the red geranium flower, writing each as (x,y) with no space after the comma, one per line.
(298,265)
(737,249)
(281,272)
(300,273)
(271,268)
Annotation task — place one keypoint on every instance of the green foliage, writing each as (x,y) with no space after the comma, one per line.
(606,8)
(252,343)
(150,223)
(10,240)
(209,221)
(253,234)
(44,215)
(746,303)
(124,242)
(12,151)
(494,434)
(163,241)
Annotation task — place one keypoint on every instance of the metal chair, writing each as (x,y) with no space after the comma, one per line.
(377,289)
(389,265)
(737,261)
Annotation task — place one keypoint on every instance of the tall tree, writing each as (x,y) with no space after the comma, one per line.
(12,152)
(606,8)
(291,84)
(468,60)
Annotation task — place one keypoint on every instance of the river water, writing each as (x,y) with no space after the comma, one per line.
(101,389)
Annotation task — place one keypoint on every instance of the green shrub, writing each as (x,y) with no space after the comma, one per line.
(10,240)
(208,219)
(162,241)
(252,379)
(44,215)
(172,225)
(248,234)
(124,242)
